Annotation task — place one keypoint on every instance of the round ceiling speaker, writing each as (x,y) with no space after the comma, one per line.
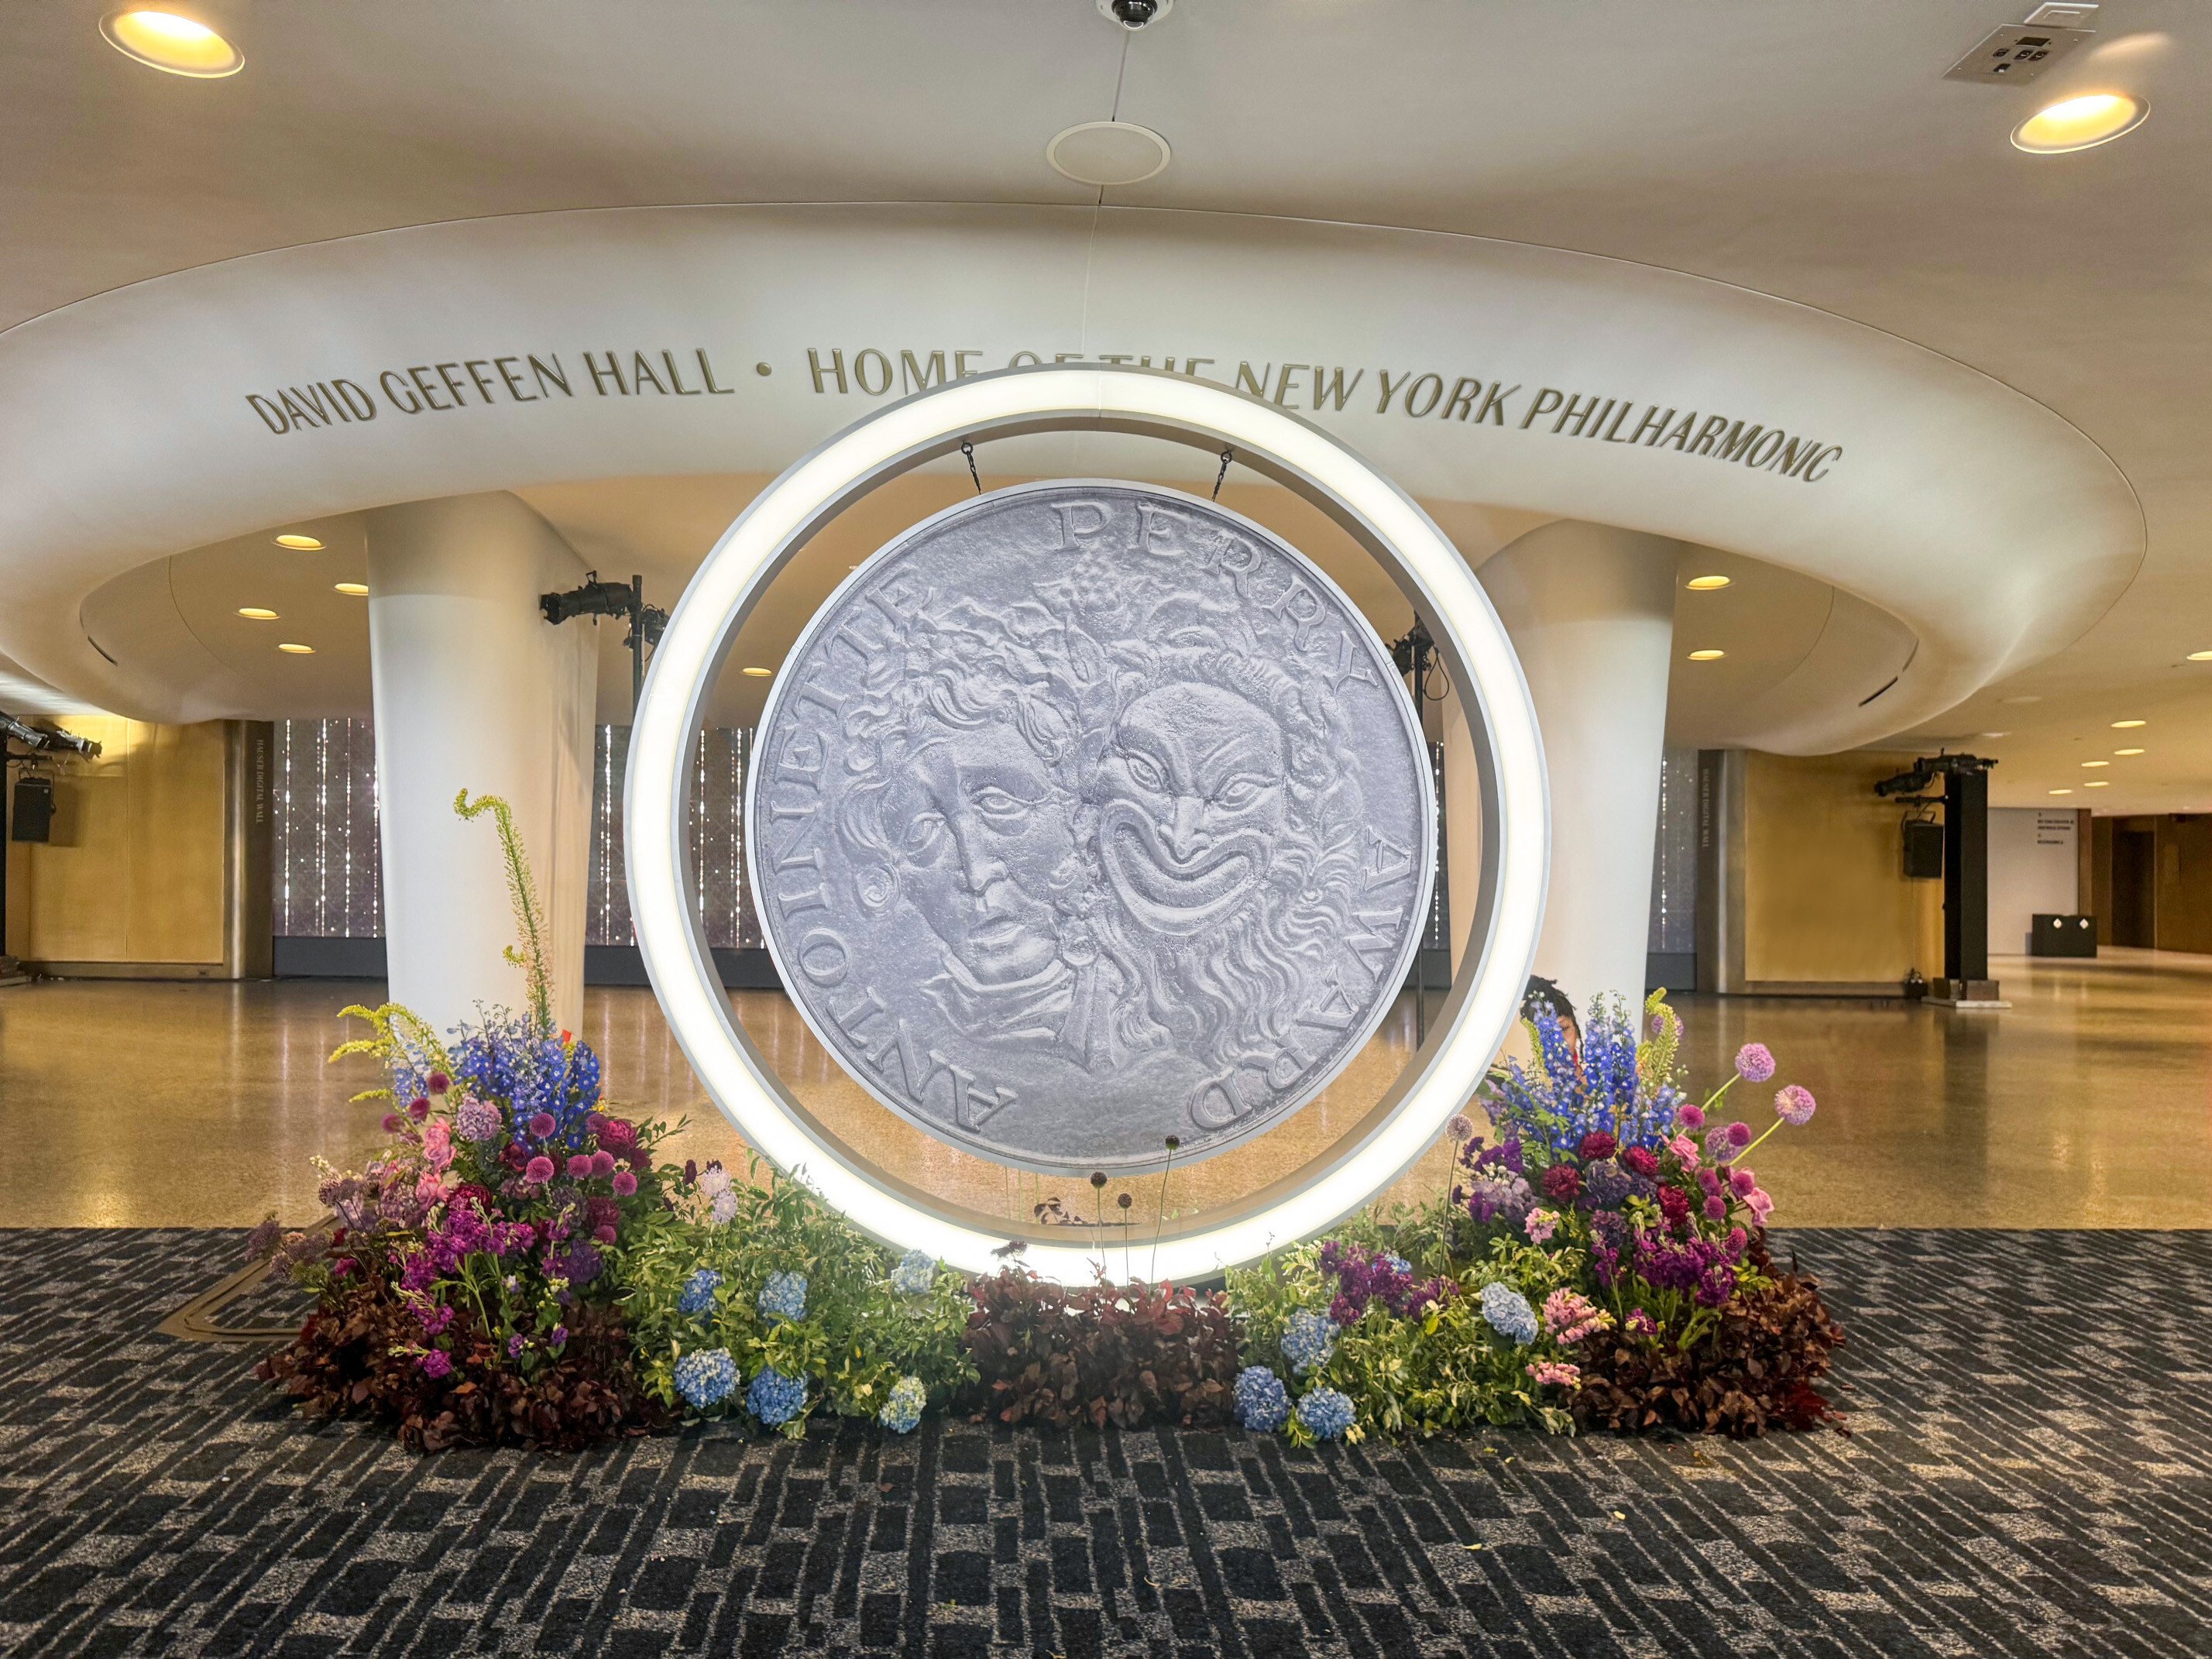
(1108,153)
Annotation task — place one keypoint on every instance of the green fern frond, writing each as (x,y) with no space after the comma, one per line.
(522,892)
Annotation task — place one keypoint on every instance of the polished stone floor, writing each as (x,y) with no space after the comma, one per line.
(2088,1103)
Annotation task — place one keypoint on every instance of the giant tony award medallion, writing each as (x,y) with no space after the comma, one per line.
(1087,814)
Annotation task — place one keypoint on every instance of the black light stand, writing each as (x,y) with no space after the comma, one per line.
(1415,654)
(624,600)
(1966,803)
(40,740)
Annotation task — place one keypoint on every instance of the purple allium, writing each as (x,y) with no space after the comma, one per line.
(1795,1105)
(1742,1181)
(1460,1129)
(419,1109)
(1691,1117)
(391,1122)
(1739,1135)
(538,1170)
(542,1125)
(1717,1208)
(580,1166)
(1755,1062)
(603,1163)
(625,1183)
(437,1364)
(437,1083)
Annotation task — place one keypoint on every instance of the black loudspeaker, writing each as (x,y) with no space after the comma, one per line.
(1923,850)
(33,818)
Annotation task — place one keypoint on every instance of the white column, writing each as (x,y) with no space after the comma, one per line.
(474,691)
(1591,611)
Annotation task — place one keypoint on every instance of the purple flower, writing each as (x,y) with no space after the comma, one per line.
(1795,1105)
(1691,1117)
(580,1166)
(539,1169)
(477,1120)
(1461,1128)
(625,1183)
(438,1083)
(515,1346)
(1742,1181)
(603,1163)
(1739,1134)
(437,1364)
(1755,1062)
(543,1126)
(560,1336)
(1717,1208)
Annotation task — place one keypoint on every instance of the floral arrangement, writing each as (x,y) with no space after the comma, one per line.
(1602,1262)
(516,1265)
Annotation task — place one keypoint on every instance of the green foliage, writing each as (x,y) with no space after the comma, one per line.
(403,1042)
(522,893)
(858,1335)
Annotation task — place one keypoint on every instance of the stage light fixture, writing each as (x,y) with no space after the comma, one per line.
(171,42)
(1516,838)
(2082,122)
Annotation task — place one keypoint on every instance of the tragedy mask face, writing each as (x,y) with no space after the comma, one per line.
(1194,796)
(982,832)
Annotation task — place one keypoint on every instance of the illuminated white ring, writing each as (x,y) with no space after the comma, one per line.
(1484,1000)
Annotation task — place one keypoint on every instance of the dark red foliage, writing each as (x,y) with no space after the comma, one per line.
(1119,1354)
(1758,1369)
(341,1364)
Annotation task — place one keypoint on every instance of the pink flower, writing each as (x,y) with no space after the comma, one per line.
(1761,1206)
(438,1145)
(625,1183)
(603,1163)
(579,1165)
(1552,1372)
(1795,1105)
(539,1169)
(1540,1225)
(1744,1183)
(1571,1317)
(1717,1208)
(543,1126)
(1684,1149)
(1755,1062)
(1691,1117)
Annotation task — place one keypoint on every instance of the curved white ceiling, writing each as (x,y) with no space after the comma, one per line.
(1989,527)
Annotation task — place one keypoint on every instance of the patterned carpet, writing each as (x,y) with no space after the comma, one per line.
(2031,1474)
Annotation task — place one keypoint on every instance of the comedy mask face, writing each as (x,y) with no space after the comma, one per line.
(983,833)
(1194,796)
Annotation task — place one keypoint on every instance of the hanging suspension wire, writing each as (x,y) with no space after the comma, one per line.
(968,449)
(1228,455)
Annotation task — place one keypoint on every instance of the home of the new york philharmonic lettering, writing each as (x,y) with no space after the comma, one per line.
(1086,814)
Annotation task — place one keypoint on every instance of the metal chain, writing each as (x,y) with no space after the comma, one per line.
(1227,455)
(968,449)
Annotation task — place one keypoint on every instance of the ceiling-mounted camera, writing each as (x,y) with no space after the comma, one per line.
(1135,14)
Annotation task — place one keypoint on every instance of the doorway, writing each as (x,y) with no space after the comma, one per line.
(2135,891)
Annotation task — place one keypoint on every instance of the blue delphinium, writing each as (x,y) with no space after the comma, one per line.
(1326,1413)
(903,1409)
(1508,1313)
(1397,1264)
(1308,1340)
(705,1379)
(1263,1405)
(775,1398)
(1568,1095)
(915,1272)
(784,1297)
(698,1295)
(503,1058)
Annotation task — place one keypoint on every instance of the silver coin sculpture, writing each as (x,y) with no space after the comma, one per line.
(1085,814)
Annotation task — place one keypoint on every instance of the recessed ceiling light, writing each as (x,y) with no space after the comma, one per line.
(1107,153)
(2062,792)
(1707,656)
(298,650)
(757,673)
(355,590)
(1705,584)
(300,544)
(2127,751)
(1994,734)
(2095,118)
(2030,698)
(257,613)
(2200,656)
(2096,762)
(2098,783)
(172,41)
(2124,726)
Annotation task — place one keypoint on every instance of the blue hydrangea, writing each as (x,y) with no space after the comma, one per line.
(698,1296)
(1308,1340)
(903,1409)
(915,1272)
(705,1379)
(784,1297)
(1326,1413)
(775,1398)
(1263,1404)
(1508,1313)
(1397,1264)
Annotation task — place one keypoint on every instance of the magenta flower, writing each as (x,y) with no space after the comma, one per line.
(1795,1105)
(1717,1208)
(1743,1181)
(625,1183)
(438,1083)
(419,1109)
(1755,1062)
(543,1126)
(437,1363)
(392,1123)
(603,1163)
(579,1165)
(539,1170)
(1739,1135)
(1686,1150)
(1641,1323)
(1691,1117)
